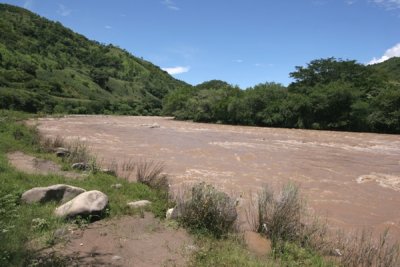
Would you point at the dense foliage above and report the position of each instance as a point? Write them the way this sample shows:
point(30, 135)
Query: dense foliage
point(47, 67)
point(326, 94)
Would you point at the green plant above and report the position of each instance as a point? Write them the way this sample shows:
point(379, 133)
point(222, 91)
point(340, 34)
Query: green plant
point(207, 210)
point(39, 224)
point(151, 174)
point(280, 215)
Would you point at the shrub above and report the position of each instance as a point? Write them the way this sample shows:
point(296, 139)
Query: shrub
point(207, 210)
point(280, 215)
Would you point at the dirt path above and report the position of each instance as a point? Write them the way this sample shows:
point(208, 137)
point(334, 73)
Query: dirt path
point(33, 165)
point(126, 241)
point(351, 178)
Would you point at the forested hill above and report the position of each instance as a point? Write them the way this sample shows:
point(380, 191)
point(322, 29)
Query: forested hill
point(329, 94)
point(45, 67)
point(390, 67)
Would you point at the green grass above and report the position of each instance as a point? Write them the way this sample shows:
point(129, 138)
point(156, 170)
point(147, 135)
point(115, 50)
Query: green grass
point(21, 224)
point(231, 251)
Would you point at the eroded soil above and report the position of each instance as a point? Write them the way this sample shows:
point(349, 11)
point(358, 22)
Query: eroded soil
point(126, 241)
point(351, 178)
point(34, 165)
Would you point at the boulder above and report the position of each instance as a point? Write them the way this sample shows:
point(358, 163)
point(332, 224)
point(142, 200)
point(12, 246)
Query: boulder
point(82, 166)
point(89, 203)
point(62, 152)
point(139, 204)
point(60, 193)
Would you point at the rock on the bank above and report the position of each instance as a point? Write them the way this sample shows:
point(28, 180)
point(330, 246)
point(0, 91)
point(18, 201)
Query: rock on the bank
point(59, 192)
point(89, 203)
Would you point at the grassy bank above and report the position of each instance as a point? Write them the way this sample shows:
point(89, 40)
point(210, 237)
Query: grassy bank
point(25, 227)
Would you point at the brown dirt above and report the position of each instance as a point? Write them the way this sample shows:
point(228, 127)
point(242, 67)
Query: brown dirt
point(33, 165)
point(126, 241)
point(257, 244)
point(351, 178)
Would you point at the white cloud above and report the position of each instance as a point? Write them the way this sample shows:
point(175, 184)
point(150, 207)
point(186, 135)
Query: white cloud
point(28, 4)
point(176, 70)
point(238, 60)
point(351, 2)
point(391, 52)
point(388, 4)
point(108, 27)
point(171, 5)
point(63, 10)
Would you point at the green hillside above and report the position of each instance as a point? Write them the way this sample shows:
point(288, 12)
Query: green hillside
point(45, 67)
point(391, 68)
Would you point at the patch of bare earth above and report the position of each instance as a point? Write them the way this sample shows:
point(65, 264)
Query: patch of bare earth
point(127, 241)
point(33, 165)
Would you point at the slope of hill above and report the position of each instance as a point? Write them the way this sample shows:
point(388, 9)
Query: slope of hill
point(47, 67)
point(391, 68)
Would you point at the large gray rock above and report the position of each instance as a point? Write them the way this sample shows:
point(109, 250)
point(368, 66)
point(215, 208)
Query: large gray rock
point(59, 192)
point(89, 203)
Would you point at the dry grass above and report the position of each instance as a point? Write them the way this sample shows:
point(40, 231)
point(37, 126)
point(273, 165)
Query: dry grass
point(283, 217)
point(362, 249)
point(151, 174)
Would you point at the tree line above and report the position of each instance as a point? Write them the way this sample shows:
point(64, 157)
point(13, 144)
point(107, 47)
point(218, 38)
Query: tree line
point(331, 94)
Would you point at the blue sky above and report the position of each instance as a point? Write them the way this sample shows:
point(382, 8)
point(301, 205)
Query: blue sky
point(243, 42)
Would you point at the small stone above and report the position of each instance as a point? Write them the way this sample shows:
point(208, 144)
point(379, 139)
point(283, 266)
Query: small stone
point(154, 125)
point(80, 166)
point(62, 152)
point(337, 252)
point(139, 204)
point(81, 244)
point(116, 186)
point(168, 214)
point(116, 258)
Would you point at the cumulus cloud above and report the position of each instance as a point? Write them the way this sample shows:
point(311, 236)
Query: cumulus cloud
point(391, 52)
point(108, 27)
point(388, 4)
point(176, 70)
point(63, 10)
point(170, 4)
point(238, 60)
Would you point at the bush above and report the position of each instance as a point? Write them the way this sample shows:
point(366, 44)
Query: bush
point(280, 215)
point(208, 211)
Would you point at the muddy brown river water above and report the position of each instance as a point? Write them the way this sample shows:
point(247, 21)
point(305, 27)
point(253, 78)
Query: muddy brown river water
point(351, 178)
